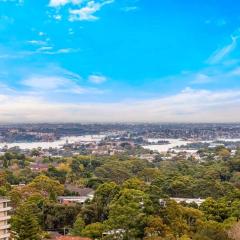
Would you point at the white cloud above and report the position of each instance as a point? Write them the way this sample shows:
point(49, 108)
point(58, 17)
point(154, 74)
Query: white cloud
point(201, 78)
point(59, 3)
point(57, 17)
point(37, 42)
point(50, 51)
point(186, 106)
point(6, 89)
point(87, 12)
point(97, 79)
point(45, 82)
point(53, 79)
point(20, 2)
point(44, 50)
point(42, 83)
point(41, 33)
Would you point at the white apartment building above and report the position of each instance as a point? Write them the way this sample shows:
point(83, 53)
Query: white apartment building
point(4, 219)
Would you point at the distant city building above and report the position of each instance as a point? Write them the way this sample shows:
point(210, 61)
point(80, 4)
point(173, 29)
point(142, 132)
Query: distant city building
point(4, 219)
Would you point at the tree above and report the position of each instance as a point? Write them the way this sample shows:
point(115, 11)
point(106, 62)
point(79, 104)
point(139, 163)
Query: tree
point(58, 216)
point(211, 231)
point(94, 230)
point(155, 228)
point(25, 223)
point(179, 219)
point(223, 152)
point(98, 209)
point(3, 178)
point(135, 183)
point(57, 173)
point(47, 186)
point(215, 210)
point(149, 174)
point(78, 226)
point(128, 211)
point(113, 171)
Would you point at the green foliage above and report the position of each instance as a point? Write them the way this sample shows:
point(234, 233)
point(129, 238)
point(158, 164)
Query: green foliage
point(128, 211)
point(211, 231)
point(47, 186)
point(127, 196)
point(58, 216)
point(94, 230)
point(56, 174)
point(78, 226)
point(156, 228)
point(98, 209)
point(25, 223)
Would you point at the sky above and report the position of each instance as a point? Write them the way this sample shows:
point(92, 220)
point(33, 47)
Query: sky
point(119, 61)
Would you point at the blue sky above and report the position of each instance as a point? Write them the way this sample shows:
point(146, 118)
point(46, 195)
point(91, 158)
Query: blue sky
point(119, 60)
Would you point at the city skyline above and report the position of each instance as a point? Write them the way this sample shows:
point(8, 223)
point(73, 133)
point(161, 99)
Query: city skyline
point(119, 61)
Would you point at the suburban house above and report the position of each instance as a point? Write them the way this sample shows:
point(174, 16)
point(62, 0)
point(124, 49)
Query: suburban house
point(77, 195)
point(198, 201)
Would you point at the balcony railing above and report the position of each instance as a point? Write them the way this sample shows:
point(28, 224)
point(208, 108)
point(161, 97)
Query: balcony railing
point(5, 226)
point(5, 235)
point(3, 218)
point(4, 209)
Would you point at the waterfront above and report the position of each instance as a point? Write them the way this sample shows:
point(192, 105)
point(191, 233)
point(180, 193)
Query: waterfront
point(165, 147)
point(54, 144)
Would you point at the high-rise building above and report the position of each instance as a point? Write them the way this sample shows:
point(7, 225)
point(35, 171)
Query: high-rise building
point(4, 219)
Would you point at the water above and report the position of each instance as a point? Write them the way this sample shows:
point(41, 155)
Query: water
point(55, 144)
point(165, 147)
point(173, 143)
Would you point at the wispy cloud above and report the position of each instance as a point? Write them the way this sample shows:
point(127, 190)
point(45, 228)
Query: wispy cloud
point(43, 50)
point(52, 79)
point(210, 75)
point(18, 2)
point(130, 8)
point(50, 51)
point(201, 78)
point(221, 22)
point(37, 42)
point(97, 79)
point(221, 53)
point(4, 88)
point(45, 84)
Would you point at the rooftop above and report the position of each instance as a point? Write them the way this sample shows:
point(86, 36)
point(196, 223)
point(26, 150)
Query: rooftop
point(71, 238)
point(78, 190)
